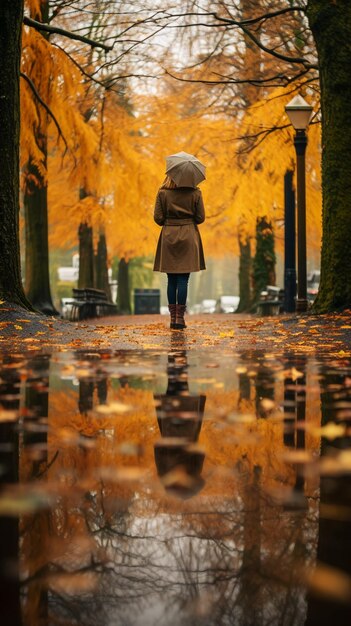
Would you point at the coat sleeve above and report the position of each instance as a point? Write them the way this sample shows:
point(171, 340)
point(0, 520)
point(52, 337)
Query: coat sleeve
point(159, 216)
point(199, 209)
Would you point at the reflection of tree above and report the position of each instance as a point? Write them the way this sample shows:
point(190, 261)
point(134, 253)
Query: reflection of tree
point(295, 416)
point(244, 387)
point(87, 384)
point(264, 384)
point(289, 405)
point(334, 536)
point(9, 526)
point(250, 578)
point(37, 407)
point(257, 371)
point(228, 555)
point(34, 464)
point(86, 393)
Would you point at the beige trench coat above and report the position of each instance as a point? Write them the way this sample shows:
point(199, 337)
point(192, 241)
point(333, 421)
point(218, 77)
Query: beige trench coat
point(179, 248)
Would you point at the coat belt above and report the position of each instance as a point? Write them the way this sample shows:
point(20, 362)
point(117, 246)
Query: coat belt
point(180, 222)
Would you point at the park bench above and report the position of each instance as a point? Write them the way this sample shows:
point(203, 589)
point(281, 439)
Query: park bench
point(271, 301)
point(90, 303)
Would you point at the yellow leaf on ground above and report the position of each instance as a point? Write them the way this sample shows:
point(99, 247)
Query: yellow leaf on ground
point(229, 333)
point(331, 431)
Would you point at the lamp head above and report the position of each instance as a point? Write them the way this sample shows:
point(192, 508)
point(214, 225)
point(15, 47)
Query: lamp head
point(299, 112)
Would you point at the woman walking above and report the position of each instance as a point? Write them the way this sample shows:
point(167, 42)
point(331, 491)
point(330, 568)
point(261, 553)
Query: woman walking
point(179, 209)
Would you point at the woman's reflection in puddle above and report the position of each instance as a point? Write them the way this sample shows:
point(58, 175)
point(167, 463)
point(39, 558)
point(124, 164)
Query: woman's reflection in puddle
point(179, 460)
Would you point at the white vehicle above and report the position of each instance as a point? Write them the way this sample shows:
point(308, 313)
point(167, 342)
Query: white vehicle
point(208, 306)
point(227, 304)
point(195, 309)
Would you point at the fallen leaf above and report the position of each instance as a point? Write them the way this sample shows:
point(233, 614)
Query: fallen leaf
point(330, 431)
point(8, 416)
point(330, 582)
point(113, 407)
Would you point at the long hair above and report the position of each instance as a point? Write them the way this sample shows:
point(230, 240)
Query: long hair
point(168, 183)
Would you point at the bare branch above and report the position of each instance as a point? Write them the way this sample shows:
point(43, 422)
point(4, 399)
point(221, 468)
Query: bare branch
point(80, 68)
point(278, 55)
point(280, 78)
point(227, 23)
point(66, 33)
point(43, 104)
point(265, 16)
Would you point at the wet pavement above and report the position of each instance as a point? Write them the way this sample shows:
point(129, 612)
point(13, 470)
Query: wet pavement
point(175, 485)
point(23, 331)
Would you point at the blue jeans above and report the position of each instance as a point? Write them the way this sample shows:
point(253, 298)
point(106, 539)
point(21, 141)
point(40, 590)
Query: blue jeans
point(177, 288)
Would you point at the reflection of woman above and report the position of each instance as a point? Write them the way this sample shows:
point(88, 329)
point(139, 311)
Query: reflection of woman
point(179, 416)
point(179, 250)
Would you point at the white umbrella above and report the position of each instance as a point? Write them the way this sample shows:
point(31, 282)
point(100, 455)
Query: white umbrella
point(185, 169)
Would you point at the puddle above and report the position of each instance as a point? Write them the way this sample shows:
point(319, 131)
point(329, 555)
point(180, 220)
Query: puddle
point(182, 488)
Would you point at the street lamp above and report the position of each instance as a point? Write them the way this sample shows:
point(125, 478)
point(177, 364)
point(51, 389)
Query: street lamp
point(300, 113)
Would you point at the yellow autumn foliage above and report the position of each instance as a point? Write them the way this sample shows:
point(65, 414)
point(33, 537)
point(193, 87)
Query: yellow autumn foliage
point(261, 178)
point(118, 158)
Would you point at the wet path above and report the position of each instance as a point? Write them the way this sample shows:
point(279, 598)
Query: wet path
point(26, 332)
point(182, 487)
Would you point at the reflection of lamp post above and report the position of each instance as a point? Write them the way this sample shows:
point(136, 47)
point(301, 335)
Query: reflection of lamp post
point(299, 113)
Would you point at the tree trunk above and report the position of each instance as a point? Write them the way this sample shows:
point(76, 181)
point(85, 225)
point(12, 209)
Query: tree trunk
point(86, 256)
point(86, 250)
point(264, 260)
point(37, 283)
point(101, 266)
point(123, 296)
point(245, 264)
point(330, 23)
point(11, 15)
point(250, 94)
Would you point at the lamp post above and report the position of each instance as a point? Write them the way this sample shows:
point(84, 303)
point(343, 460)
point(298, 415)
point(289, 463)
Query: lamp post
point(289, 244)
point(299, 113)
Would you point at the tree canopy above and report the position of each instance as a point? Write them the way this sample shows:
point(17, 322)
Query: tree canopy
point(122, 85)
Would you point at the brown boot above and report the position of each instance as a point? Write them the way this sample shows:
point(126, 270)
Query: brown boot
point(173, 312)
point(180, 322)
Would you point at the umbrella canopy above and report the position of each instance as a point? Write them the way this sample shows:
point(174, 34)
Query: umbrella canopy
point(185, 169)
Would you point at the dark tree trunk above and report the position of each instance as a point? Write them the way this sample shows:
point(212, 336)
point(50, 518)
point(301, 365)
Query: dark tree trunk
point(37, 283)
point(86, 256)
point(330, 23)
point(334, 531)
point(37, 404)
point(35, 445)
point(245, 266)
point(10, 597)
point(250, 571)
point(250, 94)
point(86, 396)
point(11, 15)
point(86, 250)
point(101, 266)
point(264, 260)
point(123, 296)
